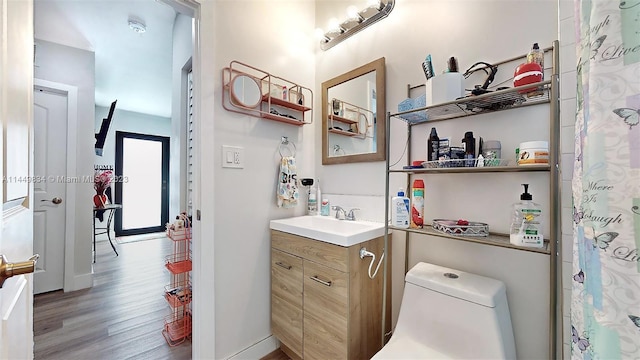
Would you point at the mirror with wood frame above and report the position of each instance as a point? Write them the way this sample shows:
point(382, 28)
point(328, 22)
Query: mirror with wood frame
point(353, 115)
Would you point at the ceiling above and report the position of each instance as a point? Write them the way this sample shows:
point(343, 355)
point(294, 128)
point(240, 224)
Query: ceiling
point(134, 68)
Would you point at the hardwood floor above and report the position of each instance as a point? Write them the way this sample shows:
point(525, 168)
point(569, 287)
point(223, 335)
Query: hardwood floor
point(121, 317)
point(277, 354)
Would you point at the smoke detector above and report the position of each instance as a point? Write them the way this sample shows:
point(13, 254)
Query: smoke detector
point(137, 26)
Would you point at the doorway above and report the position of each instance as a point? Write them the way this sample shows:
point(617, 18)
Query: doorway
point(141, 183)
point(185, 7)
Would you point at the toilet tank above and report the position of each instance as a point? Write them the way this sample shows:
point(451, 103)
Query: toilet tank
point(462, 315)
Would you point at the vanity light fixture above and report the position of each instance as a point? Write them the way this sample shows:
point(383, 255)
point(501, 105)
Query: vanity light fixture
point(356, 21)
point(137, 26)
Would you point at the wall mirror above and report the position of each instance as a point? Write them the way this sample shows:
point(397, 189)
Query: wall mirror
point(245, 91)
point(354, 115)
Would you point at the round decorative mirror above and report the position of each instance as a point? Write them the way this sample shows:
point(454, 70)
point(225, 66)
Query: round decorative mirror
point(245, 91)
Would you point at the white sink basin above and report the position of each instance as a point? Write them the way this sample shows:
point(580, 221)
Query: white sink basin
point(329, 229)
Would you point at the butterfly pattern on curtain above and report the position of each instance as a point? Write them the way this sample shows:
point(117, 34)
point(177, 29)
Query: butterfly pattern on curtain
point(605, 302)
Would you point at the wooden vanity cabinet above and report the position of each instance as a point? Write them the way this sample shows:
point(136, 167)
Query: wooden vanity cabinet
point(323, 303)
point(286, 299)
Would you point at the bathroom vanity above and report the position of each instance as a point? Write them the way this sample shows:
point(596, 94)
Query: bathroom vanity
point(323, 303)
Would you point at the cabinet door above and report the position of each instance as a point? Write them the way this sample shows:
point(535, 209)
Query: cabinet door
point(286, 299)
point(325, 312)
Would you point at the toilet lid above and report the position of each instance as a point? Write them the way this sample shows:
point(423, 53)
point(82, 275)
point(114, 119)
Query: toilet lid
point(407, 349)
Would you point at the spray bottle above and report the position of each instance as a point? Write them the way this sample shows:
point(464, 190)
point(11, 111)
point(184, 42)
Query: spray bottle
point(417, 204)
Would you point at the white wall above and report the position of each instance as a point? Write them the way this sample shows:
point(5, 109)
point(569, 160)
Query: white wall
point(127, 121)
point(182, 51)
point(71, 66)
point(472, 31)
point(237, 204)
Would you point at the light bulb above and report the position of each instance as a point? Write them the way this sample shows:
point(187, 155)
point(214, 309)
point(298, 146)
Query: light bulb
point(333, 25)
point(374, 4)
point(352, 13)
point(320, 35)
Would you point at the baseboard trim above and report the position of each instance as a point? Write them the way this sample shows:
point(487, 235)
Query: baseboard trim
point(257, 350)
point(83, 281)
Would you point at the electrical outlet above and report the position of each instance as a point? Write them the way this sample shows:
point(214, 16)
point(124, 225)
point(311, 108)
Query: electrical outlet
point(232, 157)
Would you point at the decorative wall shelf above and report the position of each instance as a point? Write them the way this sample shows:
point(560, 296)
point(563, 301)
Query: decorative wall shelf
point(344, 133)
point(359, 123)
point(250, 91)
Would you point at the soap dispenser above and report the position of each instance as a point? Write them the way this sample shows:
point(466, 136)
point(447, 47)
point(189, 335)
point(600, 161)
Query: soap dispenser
point(526, 222)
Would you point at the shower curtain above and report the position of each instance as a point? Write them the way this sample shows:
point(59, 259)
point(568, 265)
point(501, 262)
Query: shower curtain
point(605, 303)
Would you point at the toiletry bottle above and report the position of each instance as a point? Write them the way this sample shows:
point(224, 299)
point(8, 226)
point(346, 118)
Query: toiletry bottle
point(324, 207)
point(536, 55)
point(526, 222)
point(417, 204)
point(285, 94)
point(432, 145)
point(469, 149)
point(312, 202)
point(400, 210)
point(318, 196)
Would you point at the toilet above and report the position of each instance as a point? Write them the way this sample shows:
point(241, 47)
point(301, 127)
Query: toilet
point(450, 314)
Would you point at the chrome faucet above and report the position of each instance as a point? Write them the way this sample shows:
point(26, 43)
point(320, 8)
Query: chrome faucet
point(351, 215)
point(339, 210)
point(345, 215)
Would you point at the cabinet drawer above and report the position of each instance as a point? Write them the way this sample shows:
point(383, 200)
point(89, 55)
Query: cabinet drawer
point(333, 256)
point(286, 299)
point(325, 312)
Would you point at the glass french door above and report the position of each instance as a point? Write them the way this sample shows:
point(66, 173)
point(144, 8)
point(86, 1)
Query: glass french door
point(141, 183)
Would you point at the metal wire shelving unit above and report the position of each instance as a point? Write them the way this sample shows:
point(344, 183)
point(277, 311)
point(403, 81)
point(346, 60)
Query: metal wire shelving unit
point(511, 98)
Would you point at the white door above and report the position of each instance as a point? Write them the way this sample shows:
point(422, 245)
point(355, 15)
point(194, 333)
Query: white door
point(49, 163)
point(16, 218)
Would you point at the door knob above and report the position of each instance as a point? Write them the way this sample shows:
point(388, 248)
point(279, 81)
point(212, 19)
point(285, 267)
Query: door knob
point(55, 200)
point(8, 269)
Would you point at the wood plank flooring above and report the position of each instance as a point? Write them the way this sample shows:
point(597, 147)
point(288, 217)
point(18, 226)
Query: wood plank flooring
point(277, 354)
point(121, 317)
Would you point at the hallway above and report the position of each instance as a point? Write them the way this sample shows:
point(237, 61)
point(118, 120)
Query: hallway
point(121, 317)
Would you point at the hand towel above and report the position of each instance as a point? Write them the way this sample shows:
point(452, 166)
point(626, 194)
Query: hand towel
point(287, 193)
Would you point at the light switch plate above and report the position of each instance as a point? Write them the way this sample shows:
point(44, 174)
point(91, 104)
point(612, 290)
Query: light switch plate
point(232, 157)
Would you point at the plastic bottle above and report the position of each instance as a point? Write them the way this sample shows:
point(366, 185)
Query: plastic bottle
point(318, 197)
point(400, 210)
point(417, 204)
point(312, 201)
point(433, 143)
point(526, 222)
point(469, 149)
point(324, 207)
point(536, 55)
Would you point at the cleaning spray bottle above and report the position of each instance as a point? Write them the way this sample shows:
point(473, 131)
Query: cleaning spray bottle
point(526, 222)
point(417, 204)
point(400, 210)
